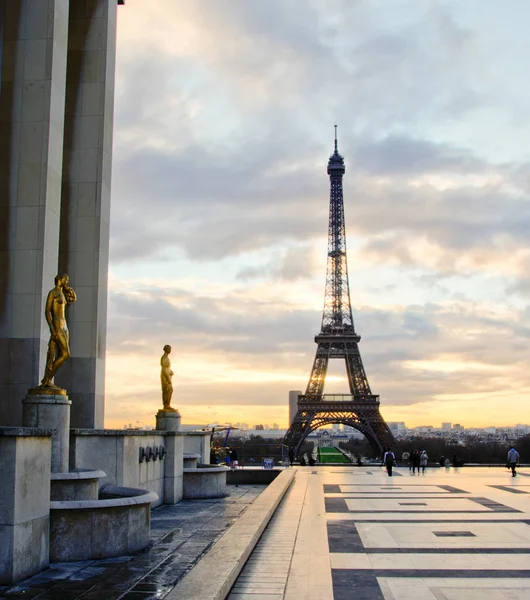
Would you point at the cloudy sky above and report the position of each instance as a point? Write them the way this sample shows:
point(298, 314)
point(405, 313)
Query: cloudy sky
point(223, 127)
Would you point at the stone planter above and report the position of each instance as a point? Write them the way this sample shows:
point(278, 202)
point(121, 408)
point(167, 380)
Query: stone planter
point(205, 482)
point(116, 524)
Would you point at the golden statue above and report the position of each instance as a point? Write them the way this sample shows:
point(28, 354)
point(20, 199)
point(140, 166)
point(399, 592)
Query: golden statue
point(59, 345)
point(165, 379)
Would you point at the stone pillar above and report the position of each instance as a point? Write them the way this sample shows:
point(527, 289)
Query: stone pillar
point(31, 161)
point(84, 237)
point(173, 468)
point(24, 503)
point(51, 411)
point(198, 442)
point(167, 420)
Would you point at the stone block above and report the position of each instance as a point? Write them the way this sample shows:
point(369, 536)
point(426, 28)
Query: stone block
point(139, 523)
point(32, 489)
point(70, 534)
point(25, 457)
point(6, 554)
point(110, 531)
point(167, 420)
point(7, 489)
point(205, 482)
point(115, 525)
point(24, 550)
point(173, 489)
point(31, 547)
point(81, 484)
point(198, 443)
point(48, 411)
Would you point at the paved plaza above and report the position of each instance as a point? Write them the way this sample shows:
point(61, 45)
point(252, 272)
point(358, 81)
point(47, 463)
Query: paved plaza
point(349, 533)
point(339, 533)
point(180, 534)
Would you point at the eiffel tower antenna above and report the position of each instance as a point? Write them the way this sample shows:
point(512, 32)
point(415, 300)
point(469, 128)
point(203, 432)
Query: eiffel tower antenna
point(338, 340)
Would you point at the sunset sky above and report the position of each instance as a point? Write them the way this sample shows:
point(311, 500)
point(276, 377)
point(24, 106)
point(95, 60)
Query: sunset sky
point(224, 121)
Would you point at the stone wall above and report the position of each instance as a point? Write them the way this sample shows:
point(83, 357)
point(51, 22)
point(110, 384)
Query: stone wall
point(118, 454)
point(197, 442)
point(25, 458)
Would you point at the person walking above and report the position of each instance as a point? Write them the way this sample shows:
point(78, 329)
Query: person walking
point(423, 461)
point(389, 460)
point(415, 460)
point(291, 457)
point(512, 459)
point(233, 459)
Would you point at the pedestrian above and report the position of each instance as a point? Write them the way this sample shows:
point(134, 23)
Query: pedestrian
point(415, 460)
point(233, 458)
point(423, 460)
point(512, 459)
point(389, 460)
point(405, 458)
point(291, 457)
point(442, 461)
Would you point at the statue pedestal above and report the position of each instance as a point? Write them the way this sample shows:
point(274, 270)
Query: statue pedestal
point(50, 411)
point(168, 420)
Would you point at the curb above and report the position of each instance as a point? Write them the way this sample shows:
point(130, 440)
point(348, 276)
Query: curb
point(215, 574)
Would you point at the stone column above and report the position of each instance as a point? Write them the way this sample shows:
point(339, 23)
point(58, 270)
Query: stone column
point(51, 411)
point(24, 502)
point(173, 468)
point(84, 236)
point(31, 160)
point(168, 420)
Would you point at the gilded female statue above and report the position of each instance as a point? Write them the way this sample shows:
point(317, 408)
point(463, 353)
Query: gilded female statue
point(55, 312)
point(165, 379)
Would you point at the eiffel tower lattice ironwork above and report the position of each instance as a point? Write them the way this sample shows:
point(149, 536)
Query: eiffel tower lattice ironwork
point(338, 340)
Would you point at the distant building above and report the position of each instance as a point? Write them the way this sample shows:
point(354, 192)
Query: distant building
point(336, 427)
point(446, 426)
point(396, 426)
point(458, 427)
point(275, 426)
point(293, 405)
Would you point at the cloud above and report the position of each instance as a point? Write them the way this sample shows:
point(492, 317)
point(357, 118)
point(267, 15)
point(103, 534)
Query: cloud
point(220, 196)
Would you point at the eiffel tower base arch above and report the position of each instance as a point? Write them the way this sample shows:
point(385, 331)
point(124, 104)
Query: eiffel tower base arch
point(363, 415)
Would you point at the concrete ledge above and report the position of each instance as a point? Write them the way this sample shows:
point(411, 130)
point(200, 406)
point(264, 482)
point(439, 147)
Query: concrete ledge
point(111, 496)
point(25, 432)
point(215, 574)
point(124, 432)
point(78, 474)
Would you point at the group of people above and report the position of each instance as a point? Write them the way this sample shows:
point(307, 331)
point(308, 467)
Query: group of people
point(231, 459)
point(417, 460)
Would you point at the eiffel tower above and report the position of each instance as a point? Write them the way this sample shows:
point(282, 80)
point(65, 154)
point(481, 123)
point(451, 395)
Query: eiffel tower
point(338, 340)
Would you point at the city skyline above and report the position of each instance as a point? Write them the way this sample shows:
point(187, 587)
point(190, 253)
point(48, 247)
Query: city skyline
point(220, 199)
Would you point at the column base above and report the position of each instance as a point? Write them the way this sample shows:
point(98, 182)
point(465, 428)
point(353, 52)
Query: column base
point(50, 411)
point(168, 420)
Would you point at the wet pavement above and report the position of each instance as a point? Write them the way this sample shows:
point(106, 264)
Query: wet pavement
point(180, 535)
